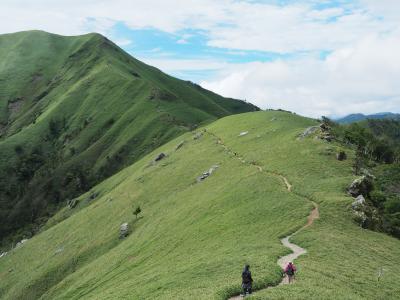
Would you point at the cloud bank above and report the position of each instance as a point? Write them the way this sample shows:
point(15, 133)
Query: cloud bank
point(335, 57)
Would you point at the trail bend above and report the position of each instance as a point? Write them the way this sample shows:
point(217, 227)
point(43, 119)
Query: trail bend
point(314, 214)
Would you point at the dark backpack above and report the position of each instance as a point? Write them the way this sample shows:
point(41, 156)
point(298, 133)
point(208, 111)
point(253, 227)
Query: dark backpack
point(290, 270)
point(246, 277)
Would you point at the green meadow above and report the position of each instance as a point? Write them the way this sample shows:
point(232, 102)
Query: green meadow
point(193, 238)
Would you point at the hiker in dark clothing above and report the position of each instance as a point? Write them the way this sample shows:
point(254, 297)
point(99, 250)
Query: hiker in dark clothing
point(290, 270)
point(247, 280)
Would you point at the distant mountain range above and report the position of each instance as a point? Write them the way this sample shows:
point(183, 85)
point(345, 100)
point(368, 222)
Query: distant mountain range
point(359, 117)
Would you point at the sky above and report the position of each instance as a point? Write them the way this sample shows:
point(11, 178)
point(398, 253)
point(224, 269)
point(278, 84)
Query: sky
point(315, 58)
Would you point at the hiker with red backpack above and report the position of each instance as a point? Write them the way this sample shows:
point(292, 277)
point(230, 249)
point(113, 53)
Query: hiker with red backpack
point(290, 271)
point(247, 281)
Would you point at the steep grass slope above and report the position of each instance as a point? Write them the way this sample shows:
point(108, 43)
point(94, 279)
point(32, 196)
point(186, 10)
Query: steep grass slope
point(194, 237)
point(74, 110)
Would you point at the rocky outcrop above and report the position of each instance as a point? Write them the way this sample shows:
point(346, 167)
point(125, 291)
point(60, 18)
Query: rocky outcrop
point(197, 135)
point(123, 230)
point(207, 173)
point(365, 214)
point(180, 145)
point(308, 131)
point(358, 202)
point(93, 195)
point(72, 203)
point(341, 155)
point(325, 132)
point(59, 250)
point(359, 211)
point(361, 186)
point(360, 217)
point(326, 136)
point(19, 244)
point(160, 157)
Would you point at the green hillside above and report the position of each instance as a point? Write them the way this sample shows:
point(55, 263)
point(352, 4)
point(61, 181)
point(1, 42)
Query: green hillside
point(193, 238)
point(75, 110)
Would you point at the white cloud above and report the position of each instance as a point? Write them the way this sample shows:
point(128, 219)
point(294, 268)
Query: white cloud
point(123, 42)
point(230, 24)
point(359, 75)
point(360, 78)
point(173, 65)
point(182, 41)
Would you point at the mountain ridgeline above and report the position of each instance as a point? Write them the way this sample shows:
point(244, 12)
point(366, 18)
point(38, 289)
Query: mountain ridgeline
point(74, 111)
point(361, 117)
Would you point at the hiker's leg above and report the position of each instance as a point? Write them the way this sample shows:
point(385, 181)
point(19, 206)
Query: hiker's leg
point(247, 290)
point(250, 289)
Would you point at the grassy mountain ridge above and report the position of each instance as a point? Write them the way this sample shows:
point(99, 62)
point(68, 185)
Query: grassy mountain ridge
point(75, 110)
point(194, 237)
point(361, 117)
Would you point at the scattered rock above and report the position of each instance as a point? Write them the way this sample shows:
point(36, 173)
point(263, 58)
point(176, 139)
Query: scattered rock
point(360, 217)
point(326, 132)
point(197, 135)
point(203, 176)
point(243, 133)
point(193, 127)
point(207, 173)
point(308, 131)
point(72, 203)
point(20, 244)
point(160, 156)
point(180, 145)
point(365, 215)
point(358, 202)
point(3, 254)
point(365, 172)
point(59, 250)
point(324, 127)
point(326, 136)
point(124, 230)
point(360, 186)
point(341, 155)
point(93, 195)
point(212, 169)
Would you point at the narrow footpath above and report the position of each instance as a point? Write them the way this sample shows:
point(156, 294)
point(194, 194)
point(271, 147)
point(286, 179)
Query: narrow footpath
point(314, 214)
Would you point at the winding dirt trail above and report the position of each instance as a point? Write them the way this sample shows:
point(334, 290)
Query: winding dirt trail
point(296, 249)
point(314, 214)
